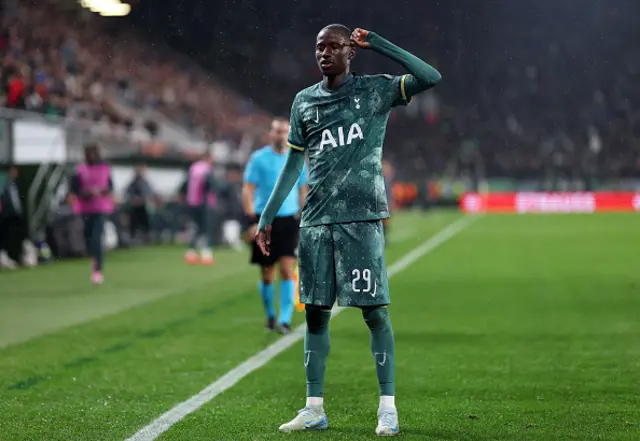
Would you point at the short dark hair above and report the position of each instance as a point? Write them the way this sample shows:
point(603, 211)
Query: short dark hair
point(340, 28)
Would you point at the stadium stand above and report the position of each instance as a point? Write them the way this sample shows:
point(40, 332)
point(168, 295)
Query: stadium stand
point(73, 64)
point(531, 120)
point(516, 116)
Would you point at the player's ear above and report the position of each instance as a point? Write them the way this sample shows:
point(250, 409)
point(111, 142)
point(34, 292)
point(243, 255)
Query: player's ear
point(352, 53)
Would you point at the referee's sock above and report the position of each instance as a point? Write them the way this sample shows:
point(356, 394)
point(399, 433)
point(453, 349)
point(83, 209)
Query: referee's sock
point(267, 292)
point(287, 301)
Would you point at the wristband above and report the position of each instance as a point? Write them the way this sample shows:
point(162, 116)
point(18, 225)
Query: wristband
point(248, 221)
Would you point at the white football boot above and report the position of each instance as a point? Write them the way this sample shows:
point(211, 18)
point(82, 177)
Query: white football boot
point(387, 422)
point(309, 418)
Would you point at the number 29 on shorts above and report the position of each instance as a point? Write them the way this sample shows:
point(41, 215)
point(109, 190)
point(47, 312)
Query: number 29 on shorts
point(361, 282)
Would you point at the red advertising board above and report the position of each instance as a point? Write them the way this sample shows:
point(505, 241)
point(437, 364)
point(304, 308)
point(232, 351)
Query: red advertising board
point(552, 202)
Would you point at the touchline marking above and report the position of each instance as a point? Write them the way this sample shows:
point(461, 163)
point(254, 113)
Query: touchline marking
point(163, 423)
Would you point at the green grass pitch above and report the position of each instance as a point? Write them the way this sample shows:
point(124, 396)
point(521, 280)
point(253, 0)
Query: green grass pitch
point(521, 328)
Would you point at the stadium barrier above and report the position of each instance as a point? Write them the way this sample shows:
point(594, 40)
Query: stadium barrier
point(550, 202)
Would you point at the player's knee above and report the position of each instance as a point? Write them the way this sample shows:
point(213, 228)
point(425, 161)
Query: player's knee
point(375, 317)
point(317, 318)
point(287, 269)
point(268, 275)
point(286, 273)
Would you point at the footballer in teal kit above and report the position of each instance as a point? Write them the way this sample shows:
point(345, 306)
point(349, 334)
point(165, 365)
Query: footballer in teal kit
point(340, 123)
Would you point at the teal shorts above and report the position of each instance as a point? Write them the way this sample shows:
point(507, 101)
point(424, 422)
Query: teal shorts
point(343, 262)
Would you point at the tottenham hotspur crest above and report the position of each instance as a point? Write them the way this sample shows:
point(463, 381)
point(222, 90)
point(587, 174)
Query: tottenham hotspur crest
point(357, 101)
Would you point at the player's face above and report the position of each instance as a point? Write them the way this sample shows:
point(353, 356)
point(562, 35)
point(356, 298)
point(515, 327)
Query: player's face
point(279, 132)
point(332, 52)
point(274, 134)
point(283, 132)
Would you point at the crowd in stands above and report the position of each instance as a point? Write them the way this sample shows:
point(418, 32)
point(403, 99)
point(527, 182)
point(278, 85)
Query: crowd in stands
point(526, 92)
point(73, 64)
point(570, 105)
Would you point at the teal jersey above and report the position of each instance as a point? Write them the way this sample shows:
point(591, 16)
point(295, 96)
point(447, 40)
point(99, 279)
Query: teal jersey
point(342, 132)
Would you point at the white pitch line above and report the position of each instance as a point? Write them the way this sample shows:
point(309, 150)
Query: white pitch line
point(163, 423)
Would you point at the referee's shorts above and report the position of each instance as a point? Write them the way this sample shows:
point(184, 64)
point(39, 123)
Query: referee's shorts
point(284, 241)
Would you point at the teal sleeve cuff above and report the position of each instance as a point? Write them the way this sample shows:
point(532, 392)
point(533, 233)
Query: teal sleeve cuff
point(286, 181)
point(424, 75)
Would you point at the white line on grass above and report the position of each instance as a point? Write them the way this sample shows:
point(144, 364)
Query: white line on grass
point(228, 380)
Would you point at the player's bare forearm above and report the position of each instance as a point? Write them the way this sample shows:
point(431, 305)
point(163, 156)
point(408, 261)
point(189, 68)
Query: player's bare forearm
point(248, 191)
point(302, 195)
point(288, 178)
point(423, 76)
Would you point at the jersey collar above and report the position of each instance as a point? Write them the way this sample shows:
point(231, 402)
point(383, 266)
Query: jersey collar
point(347, 81)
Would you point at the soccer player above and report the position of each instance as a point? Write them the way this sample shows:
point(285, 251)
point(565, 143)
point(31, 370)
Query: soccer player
point(92, 186)
point(260, 177)
point(200, 198)
point(341, 123)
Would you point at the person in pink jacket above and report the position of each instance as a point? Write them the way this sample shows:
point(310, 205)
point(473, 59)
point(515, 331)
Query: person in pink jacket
point(201, 199)
point(92, 187)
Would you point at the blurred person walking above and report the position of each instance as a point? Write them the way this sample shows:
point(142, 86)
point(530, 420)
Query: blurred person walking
point(92, 187)
point(139, 194)
point(200, 199)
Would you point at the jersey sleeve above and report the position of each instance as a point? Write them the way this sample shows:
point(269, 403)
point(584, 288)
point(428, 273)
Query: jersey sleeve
point(252, 171)
point(296, 139)
point(392, 89)
point(303, 180)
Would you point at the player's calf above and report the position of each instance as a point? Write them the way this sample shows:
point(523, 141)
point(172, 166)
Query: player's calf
point(267, 293)
point(383, 350)
point(316, 350)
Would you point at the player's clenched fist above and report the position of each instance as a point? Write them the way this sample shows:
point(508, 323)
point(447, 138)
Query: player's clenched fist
point(358, 37)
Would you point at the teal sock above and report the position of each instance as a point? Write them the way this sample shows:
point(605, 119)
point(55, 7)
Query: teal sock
point(316, 349)
point(382, 347)
point(287, 294)
point(267, 292)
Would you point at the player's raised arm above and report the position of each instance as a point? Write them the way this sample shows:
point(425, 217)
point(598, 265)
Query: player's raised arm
point(423, 76)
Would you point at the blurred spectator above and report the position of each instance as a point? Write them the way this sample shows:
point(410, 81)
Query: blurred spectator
point(528, 106)
point(139, 195)
point(12, 222)
point(64, 63)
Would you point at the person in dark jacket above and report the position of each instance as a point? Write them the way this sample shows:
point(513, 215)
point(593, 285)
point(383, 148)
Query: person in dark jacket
point(12, 225)
point(139, 194)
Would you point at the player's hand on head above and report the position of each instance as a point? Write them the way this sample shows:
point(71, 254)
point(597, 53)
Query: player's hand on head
point(263, 239)
point(358, 37)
